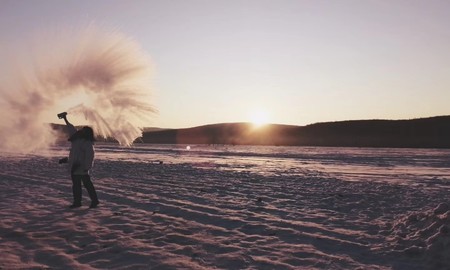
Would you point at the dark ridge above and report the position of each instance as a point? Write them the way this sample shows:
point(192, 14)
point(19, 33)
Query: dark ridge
point(431, 132)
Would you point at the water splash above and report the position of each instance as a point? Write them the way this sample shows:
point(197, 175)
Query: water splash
point(101, 75)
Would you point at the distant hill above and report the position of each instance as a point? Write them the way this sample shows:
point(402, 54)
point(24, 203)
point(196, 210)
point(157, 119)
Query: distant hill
point(150, 129)
point(433, 132)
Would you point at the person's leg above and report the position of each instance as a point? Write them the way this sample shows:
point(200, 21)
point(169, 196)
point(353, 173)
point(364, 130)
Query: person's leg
point(91, 190)
point(76, 190)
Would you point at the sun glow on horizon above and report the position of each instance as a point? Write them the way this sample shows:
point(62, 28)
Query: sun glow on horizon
point(259, 118)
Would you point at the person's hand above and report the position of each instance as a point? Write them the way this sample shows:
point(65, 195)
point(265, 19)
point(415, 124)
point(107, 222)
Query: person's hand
point(62, 115)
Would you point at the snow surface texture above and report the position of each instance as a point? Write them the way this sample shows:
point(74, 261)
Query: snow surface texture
point(163, 207)
point(103, 76)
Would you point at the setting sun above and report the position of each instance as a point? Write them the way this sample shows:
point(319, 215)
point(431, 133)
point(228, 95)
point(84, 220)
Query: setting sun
point(259, 117)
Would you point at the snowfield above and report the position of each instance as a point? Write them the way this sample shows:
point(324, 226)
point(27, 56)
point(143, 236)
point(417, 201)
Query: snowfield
point(229, 207)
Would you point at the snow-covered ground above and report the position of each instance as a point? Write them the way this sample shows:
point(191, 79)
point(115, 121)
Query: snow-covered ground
point(229, 207)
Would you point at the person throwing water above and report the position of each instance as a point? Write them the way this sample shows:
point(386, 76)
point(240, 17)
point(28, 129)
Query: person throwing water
point(81, 160)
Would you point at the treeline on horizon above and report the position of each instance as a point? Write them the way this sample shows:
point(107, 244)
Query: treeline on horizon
point(433, 132)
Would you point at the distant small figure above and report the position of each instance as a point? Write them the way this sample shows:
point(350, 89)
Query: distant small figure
point(81, 159)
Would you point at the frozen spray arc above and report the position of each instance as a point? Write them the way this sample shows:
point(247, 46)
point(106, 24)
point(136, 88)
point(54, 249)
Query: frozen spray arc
point(106, 76)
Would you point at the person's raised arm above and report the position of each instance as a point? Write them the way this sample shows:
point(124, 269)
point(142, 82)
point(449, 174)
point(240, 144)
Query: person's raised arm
point(71, 127)
point(67, 121)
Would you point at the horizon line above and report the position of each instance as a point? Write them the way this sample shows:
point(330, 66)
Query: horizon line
point(282, 124)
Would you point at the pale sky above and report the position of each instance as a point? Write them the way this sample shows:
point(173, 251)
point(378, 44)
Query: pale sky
point(297, 62)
